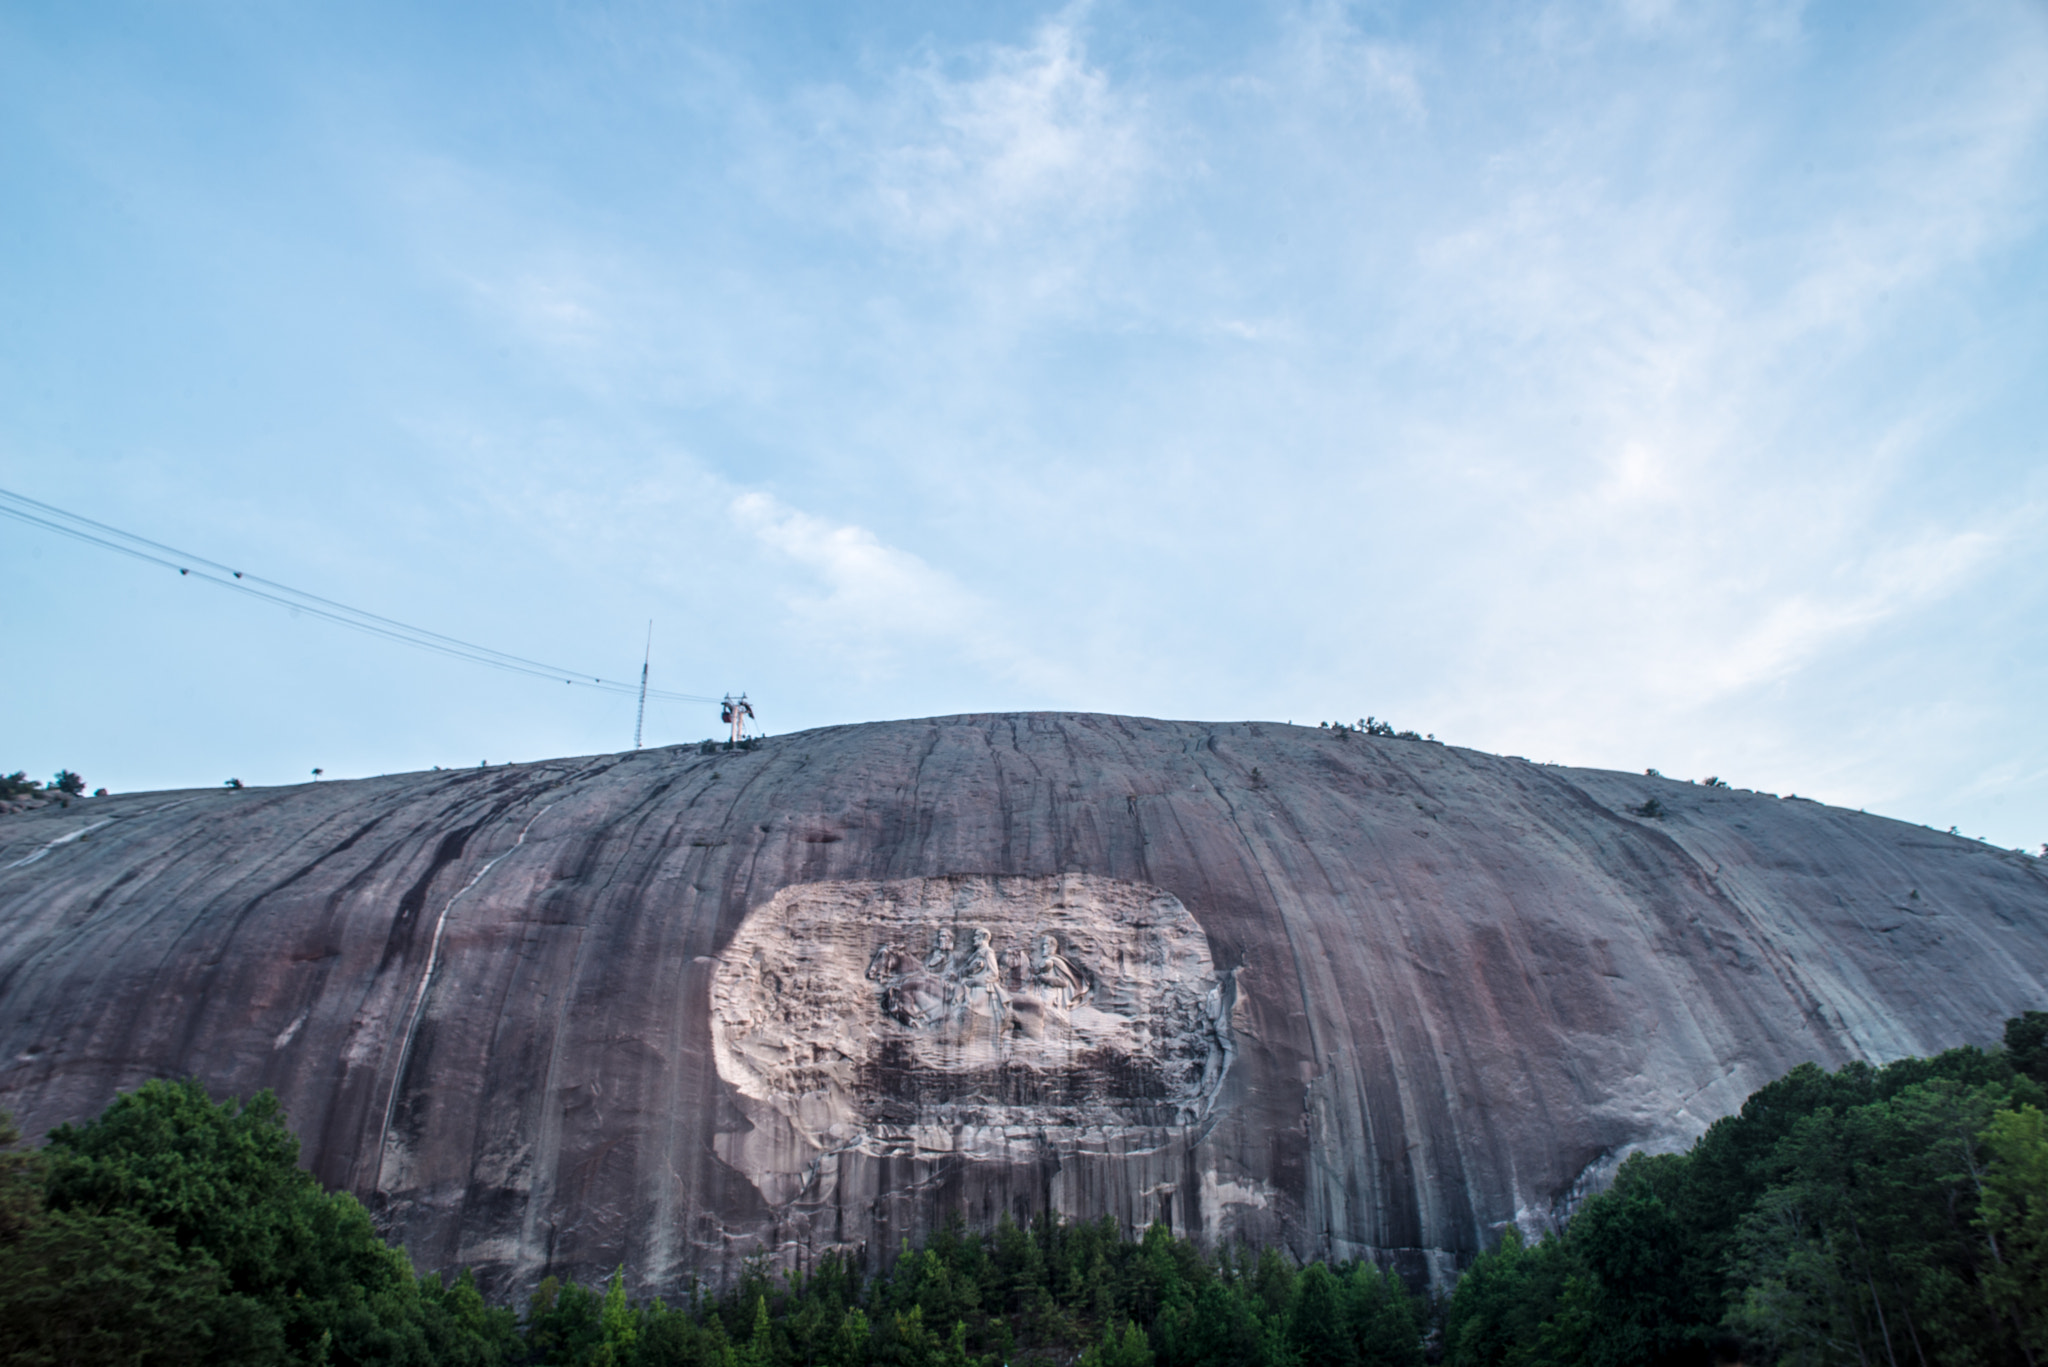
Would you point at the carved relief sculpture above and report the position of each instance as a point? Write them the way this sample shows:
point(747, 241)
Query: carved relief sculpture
point(1083, 1013)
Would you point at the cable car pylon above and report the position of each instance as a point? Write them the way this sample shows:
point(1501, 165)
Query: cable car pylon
point(640, 718)
point(735, 711)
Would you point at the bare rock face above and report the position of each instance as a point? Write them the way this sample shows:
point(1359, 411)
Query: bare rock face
point(1366, 996)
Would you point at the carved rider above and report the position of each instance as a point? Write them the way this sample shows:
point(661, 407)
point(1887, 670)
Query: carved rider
point(1061, 982)
point(907, 993)
point(940, 960)
point(981, 976)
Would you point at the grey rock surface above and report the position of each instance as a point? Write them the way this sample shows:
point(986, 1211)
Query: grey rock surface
point(1361, 995)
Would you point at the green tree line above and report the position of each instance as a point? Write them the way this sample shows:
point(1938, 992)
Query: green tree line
point(174, 1229)
point(1894, 1216)
point(1887, 1215)
point(1051, 1292)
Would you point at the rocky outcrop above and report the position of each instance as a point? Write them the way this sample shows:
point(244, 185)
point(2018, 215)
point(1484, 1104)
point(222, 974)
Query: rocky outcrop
point(1365, 995)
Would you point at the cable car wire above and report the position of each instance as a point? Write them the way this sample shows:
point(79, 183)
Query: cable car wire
point(36, 513)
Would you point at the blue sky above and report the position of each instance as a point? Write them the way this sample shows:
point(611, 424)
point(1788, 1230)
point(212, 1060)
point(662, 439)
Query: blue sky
point(1621, 384)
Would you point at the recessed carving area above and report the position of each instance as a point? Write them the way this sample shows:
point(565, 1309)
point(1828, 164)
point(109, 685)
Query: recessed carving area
point(972, 1016)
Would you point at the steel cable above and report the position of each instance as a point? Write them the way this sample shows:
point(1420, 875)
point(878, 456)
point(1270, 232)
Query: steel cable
point(36, 513)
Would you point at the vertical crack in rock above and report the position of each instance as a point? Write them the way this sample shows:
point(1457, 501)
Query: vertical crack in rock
point(419, 996)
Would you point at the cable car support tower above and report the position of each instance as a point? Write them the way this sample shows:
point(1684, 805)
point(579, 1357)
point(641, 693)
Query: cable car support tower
point(736, 711)
point(640, 718)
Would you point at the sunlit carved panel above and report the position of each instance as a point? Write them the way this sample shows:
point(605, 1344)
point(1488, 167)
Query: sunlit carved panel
point(973, 1016)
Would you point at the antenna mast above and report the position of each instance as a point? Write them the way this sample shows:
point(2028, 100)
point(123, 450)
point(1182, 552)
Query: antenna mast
point(640, 719)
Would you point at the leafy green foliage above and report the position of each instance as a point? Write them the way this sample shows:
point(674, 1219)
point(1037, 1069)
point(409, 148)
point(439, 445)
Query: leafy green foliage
point(173, 1229)
point(1872, 1215)
point(1127, 1349)
point(84, 1288)
point(1893, 1215)
point(2013, 1213)
point(1049, 1293)
point(2026, 1043)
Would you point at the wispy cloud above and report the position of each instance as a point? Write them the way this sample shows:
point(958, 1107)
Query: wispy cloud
point(1330, 58)
point(1029, 137)
point(1783, 635)
point(1001, 169)
point(872, 604)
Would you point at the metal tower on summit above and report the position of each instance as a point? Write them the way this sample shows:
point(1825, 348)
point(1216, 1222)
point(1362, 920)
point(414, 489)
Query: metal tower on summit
point(640, 719)
point(736, 711)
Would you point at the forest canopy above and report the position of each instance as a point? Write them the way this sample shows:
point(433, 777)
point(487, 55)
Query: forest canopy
point(1887, 1215)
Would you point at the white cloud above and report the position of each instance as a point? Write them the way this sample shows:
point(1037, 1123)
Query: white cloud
point(554, 308)
point(1794, 630)
point(1037, 137)
point(1331, 60)
point(879, 607)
